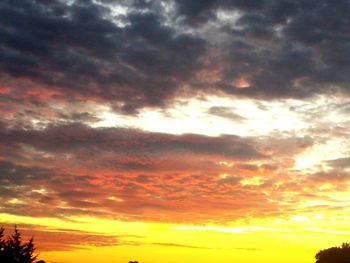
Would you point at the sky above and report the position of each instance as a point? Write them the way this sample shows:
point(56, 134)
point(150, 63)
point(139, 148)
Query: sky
point(175, 130)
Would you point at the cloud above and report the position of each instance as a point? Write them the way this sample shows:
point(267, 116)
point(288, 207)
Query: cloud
point(50, 239)
point(177, 245)
point(284, 49)
point(225, 112)
point(127, 144)
point(135, 65)
point(153, 51)
point(63, 63)
point(235, 230)
point(341, 163)
point(135, 175)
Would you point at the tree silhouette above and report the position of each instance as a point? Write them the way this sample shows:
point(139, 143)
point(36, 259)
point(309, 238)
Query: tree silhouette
point(13, 250)
point(334, 254)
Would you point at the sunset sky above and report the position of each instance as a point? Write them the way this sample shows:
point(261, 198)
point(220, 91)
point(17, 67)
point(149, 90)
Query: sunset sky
point(175, 131)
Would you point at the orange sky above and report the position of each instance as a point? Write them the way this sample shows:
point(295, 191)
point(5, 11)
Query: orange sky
point(117, 194)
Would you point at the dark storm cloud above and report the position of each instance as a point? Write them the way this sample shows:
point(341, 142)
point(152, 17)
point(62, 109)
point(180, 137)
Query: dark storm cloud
point(197, 12)
point(78, 50)
point(13, 175)
point(142, 56)
point(83, 139)
point(283, 48)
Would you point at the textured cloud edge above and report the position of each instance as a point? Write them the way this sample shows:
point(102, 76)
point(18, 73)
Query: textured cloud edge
point(66, 170)
point(136, 54)
point(51, 239)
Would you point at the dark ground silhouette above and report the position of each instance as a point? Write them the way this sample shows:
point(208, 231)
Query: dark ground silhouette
point(334, 254)
point(13, 250)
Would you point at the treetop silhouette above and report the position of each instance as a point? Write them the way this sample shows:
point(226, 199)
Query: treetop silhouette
point(13, 250)
point(334, 254)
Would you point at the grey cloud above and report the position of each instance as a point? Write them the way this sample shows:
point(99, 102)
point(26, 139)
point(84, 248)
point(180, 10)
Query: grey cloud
point(77, 138)
point(284, 49)
point(15, 175)
point(340, 163)
point(74, 169)
point(226, 112)
point(334, 176)
point(84, 54)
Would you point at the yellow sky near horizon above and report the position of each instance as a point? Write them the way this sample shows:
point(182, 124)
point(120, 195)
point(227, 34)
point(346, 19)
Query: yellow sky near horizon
point(295, 239)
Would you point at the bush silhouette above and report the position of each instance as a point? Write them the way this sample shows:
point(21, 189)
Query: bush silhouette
point(13, 250)
point(334, 254)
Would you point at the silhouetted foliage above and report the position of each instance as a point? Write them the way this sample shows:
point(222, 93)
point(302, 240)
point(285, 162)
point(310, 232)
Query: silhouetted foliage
point(13, 250)
point(133, 262)
point(334, 254)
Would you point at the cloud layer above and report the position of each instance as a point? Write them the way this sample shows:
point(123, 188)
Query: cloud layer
point(134, 54)
point(131, 174)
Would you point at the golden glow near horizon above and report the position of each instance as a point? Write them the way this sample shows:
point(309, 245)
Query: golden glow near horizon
point(245, 240)
point(259, 238)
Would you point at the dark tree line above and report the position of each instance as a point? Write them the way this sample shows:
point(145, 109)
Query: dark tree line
point(13, 250)
point(334, 254)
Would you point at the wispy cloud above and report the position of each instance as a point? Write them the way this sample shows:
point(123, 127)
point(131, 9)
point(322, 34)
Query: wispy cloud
point(237, 230)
